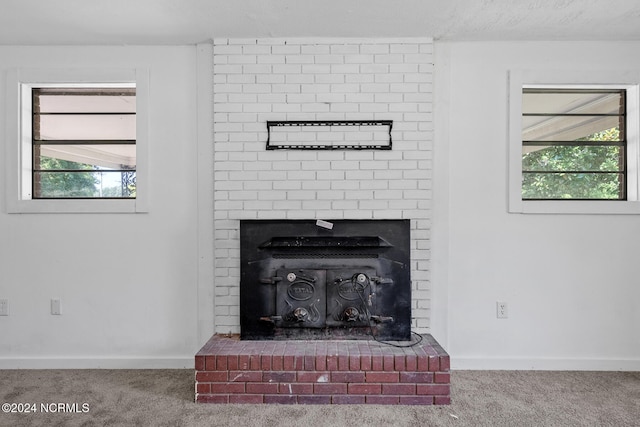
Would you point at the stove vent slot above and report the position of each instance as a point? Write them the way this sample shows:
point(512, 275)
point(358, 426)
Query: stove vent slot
point(318, 255)
point(347, 242)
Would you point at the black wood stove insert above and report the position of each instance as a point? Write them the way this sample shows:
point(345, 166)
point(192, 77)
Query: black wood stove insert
point(307, 279)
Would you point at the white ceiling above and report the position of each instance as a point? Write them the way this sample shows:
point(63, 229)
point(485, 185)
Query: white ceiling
point(86, 22)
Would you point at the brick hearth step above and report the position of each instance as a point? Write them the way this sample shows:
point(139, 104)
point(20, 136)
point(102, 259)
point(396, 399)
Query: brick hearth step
point(230, 370)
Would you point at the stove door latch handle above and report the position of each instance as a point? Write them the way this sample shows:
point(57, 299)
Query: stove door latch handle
point(382, 319)
point(270, 319)
point(382, 280)
point(271, 280)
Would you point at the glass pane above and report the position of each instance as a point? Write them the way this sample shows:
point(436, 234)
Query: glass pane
point(570, 128)
point(580, 158)
point(90, 184)
point(107, 156)
point(87, 127)
point(87, 103)
point(601, 186)
point(562, 102)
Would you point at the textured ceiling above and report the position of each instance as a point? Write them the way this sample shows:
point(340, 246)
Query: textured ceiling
point(78, 22)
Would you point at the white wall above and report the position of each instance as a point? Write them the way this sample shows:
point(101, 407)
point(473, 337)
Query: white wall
point(571, 281)
point(127, 282)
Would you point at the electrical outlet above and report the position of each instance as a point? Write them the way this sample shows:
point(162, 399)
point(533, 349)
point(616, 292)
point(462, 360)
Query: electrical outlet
point(4, 307)
point(502, 311)
point(55, 306)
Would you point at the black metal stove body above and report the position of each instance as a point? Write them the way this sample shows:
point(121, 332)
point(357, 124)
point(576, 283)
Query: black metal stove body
point(304, 281)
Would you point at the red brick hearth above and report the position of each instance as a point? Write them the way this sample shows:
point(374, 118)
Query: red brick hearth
point(230, 370)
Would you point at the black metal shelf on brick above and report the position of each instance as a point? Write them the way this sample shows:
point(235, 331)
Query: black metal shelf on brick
point(300, 280)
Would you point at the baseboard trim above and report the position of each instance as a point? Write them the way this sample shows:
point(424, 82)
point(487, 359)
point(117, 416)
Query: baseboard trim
point(178, 362)
point(544, 364)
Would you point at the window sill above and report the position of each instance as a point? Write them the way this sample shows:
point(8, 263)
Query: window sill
point(587, 207)
point(77, 206)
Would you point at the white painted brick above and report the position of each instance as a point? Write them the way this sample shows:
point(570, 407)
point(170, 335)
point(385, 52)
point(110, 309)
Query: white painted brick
point(374, 68)
point(345, 185)
point(343, 108)
point(359, 175)
point(388, 59)
point(307, 79)
point(316, 185)
point(358, 59)
point(273, 195)
point(374, 108)
point(315, 49)
point(387, 214)
point(404, 48)
point(257, 69)
point(272, 98)
point(270, 214)
point(359, 195)
point(285, 88)
point(330, 195)
point(270, 78)
point(241, 59)
point(374, 48)
point(315, 108)
point(314, 88)
point(258, 205)
point(345, 49)
point(330, 174)
point(330, 97)
point(358, 214)
point(403, 68)
point(357, 98)
point(316, 69)
point(299, 59)
point(342, 205)
point(247, 41)
point(227, 50)
point(329, 78)
point(345, 88)
point(285, 50)
point(271, 59)
point(301, 175)
point(313, 205)
point(287, 185)
point(300, 78)
point(374, 185)
point(286, 108)
point(300, 214)
point(359, 78)
point(257, 88)
point(287, 69)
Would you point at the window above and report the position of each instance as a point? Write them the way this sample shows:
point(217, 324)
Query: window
point(77, 140)
point(573, 146)
point(83, 142)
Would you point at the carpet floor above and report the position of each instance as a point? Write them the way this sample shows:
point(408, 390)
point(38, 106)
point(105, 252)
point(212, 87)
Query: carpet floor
point(165, 398)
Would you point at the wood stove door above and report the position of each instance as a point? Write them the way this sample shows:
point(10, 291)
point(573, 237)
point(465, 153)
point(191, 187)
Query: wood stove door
point(350, 296)
point(301, 298)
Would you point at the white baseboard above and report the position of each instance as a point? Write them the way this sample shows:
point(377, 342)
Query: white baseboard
point(550, 364)
point(179, 362)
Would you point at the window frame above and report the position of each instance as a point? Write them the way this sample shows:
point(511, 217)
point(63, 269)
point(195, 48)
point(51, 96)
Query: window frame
point(18, 161)
point(568, 79)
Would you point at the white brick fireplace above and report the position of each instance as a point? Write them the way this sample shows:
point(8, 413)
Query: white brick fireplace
point(256, 80)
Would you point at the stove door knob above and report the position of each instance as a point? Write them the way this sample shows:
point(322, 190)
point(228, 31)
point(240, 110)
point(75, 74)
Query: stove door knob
point(301, 314)
point(351, 314)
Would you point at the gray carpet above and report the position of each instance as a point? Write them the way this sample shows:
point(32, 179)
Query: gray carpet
point(165, 398)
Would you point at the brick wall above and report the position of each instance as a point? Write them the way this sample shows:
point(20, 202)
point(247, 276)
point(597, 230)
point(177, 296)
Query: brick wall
point(320, 79)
